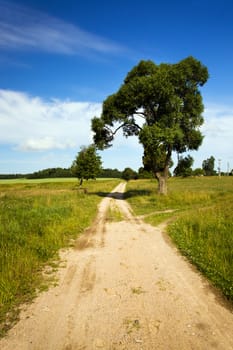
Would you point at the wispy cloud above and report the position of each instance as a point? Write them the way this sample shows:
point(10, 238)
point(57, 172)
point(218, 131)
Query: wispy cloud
point(22, 28)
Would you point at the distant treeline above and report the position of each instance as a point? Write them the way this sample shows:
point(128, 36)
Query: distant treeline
point(59, 172)
point(126, 174)
point(41, 174)
point(12, 176)
point(50, 173)
point(110, 173)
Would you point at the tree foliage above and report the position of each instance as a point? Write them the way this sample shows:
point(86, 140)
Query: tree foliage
point(208, 166)
point(144, 174)
point(198, 172)
point(167, 99)
point(129, 174)
point(87, 164)
point(50, 173)
point(110, 173)
point(184, 166)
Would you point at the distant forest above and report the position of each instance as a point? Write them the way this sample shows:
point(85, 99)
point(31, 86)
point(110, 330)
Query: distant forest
point(126, 174)
point(60, 172)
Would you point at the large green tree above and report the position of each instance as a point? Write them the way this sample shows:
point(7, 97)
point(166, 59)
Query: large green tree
point(87, 164)
point(168, 100)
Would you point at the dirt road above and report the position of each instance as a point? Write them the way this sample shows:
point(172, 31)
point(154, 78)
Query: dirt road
point(124, 287)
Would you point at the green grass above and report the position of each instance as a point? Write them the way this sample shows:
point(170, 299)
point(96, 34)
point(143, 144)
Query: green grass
point(206, 237)
point(203, 225)
point(37, 219)
point(47, 180)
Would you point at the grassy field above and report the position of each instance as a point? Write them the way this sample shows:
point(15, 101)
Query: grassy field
point(37, 218)
point(202, 225)
point(33, 181)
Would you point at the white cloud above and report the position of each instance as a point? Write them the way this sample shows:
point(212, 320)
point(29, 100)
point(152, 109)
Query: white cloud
point(24, 28)
point(218, 135)
point(219, 121)
point(218, 128)
point(30, 123)
point(44, 144)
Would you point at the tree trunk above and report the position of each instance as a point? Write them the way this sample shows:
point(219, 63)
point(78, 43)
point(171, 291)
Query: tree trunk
point(162, 177)
point(162, 183)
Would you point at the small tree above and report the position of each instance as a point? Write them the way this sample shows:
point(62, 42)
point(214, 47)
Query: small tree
point(129, 174)
point(208, 166)
point(198, 172)
point(144, 174)
point(87, 164)
point(184, 166)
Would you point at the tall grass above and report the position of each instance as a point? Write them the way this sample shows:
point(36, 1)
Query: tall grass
point(36, 219)
point(203, 226)
point(206, 237)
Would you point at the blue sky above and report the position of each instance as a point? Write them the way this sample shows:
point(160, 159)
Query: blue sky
point(59, 59)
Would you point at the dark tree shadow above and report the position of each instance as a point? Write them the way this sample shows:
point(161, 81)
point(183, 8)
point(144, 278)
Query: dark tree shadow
point(125, 195)
point(114, 195)
point(137, 193)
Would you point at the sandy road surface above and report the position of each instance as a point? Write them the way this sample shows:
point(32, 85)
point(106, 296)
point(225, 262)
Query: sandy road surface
point(124, 287)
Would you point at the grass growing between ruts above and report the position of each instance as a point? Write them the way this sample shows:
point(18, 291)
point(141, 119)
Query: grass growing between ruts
point(203, 225)
point(36, 220)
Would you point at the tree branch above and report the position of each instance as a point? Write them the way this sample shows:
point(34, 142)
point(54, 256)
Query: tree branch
point(141, 114)
point(113, 132)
